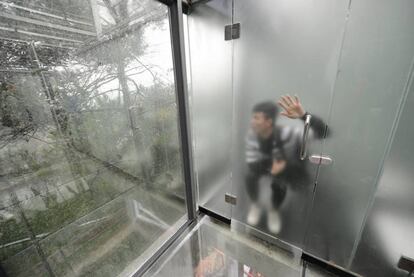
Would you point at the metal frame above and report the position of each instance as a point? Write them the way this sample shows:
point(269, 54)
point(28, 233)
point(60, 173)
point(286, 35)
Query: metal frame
point(173, 240)
point(191, 236)
point(242, 228)
point(177, 41)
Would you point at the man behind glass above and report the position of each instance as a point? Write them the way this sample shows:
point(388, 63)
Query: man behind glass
point(274, 151)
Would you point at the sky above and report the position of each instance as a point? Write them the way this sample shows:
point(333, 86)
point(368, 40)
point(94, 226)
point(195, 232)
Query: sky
point(157, 56)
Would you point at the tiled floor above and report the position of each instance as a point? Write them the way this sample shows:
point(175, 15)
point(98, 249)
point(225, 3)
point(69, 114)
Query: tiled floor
point(211, 249)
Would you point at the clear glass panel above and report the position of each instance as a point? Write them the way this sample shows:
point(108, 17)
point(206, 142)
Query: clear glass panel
point(211, 101)
point(108, 239)
point(373, 74)
point(25, 263)
point(211, 249)
point(90, 163)
point(286, 47)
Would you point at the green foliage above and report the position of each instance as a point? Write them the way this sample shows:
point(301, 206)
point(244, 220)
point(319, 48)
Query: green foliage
point(22, 110)
point(12, 230)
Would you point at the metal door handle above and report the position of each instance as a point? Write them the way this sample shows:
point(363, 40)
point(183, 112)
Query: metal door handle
point(318, 159)
point(306, 128)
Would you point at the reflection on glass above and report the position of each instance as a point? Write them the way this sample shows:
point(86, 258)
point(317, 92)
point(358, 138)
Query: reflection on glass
point(273, 156)
point(216, 263)
point(90, 170)
point(211, 249)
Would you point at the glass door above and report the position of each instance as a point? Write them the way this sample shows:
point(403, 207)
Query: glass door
point(375, 67)
point(285, 64)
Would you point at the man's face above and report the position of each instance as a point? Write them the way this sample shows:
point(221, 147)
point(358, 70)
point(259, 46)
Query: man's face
point(261, 123)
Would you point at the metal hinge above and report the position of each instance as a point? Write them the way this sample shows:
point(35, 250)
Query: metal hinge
point(230, 198)
point(406, 264)
point(232, 31)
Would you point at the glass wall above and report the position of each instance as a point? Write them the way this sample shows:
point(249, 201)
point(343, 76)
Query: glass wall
point(349, 64)
point(210, 64)
point(90, 163)
point(389, 228)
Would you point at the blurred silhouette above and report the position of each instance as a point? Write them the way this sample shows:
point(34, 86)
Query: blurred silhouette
point(218, 264)
point(273, 151)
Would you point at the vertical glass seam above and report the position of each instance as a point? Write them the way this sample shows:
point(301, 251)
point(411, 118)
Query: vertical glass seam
point(329, 117)
point(191, 104)
point(177, 43)
point(232, 128)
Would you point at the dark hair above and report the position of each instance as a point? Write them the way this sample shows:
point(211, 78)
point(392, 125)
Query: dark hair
point(268, 108)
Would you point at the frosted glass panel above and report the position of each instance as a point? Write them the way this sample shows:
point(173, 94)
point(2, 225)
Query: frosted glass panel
point(211, 104)
point(373, 73)
point(389, 230)
point(285, 47)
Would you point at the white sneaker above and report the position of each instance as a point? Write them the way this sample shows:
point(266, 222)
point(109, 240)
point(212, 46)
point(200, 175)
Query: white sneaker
point(254, 215)
point(274, 222)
